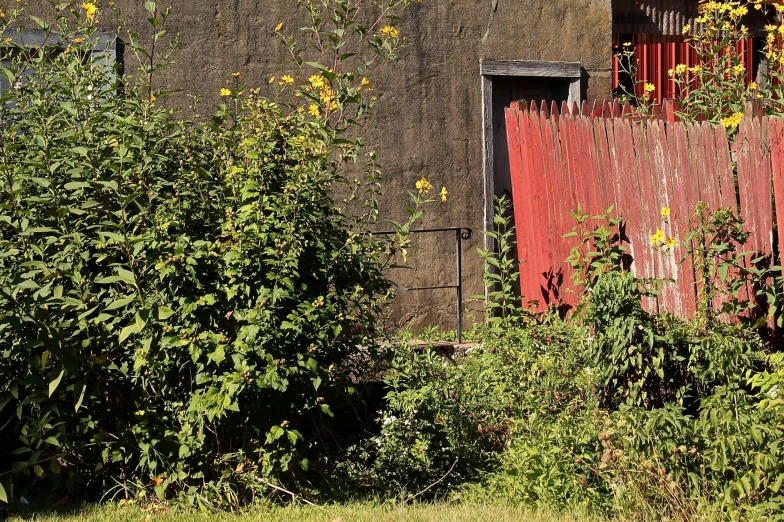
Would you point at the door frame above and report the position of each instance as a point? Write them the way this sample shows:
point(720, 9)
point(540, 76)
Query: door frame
point(571, 71)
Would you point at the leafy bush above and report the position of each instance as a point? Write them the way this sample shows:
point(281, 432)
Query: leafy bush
point(449, 422)
point(180, 303)
point(611, 409)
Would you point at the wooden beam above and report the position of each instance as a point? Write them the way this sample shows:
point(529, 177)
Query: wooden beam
point(489, 177)
point(530, 68)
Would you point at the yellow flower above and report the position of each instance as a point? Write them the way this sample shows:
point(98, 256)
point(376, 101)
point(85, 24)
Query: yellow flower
point(225, 92)
point(390, 31)
point(670, 242)
point(272, 79)
point(314, 110)
point(279, 27)
point(424, 186)
point(680, 68)
point(686, 29)
point(753, 86)
point(665, 211)
point(649, 87)
point(657, 238)
point(365, 84)
point(78, 40)
point(444, 193)
point(316, 81)
point(739, 69)
point(288, 80)
point(732, 121)
point(326, 94)
point(235, 75)
point(89, 9)
point(627, 44)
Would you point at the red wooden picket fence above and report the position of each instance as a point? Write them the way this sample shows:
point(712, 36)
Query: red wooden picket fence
point(602, 155)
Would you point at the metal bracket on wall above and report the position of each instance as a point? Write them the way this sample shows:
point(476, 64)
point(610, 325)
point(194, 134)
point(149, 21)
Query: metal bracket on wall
point(461, 234)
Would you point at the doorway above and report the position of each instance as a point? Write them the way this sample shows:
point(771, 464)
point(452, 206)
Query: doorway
point(507, 81)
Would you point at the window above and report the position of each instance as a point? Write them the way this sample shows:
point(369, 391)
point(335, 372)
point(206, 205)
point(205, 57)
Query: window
point(105, 45)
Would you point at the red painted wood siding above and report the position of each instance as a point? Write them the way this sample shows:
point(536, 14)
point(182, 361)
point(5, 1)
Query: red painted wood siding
point(657, 54)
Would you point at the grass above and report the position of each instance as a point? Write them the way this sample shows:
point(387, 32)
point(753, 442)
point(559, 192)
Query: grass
point(352, 513)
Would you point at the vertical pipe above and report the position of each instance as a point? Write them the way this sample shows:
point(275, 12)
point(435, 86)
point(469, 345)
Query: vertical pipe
point(459, 255)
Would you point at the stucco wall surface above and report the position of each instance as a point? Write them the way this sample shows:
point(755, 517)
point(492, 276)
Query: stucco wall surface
point(428, 119)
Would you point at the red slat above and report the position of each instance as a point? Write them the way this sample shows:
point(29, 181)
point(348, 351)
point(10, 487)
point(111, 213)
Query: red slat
point(776, 126)
point(667, 267)
point(679, 213)
point(520, 193)
point(532, 265)
point(549, 177)
point(643, 260)
point(540, 261)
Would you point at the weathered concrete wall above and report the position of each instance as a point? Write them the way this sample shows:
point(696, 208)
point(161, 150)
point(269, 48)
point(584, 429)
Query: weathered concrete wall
point(429, 117)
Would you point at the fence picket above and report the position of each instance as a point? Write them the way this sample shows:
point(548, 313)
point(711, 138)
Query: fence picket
point(679, 214)
point(776, 126)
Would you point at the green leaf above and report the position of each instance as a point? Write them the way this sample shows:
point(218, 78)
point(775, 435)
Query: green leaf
point(5, 399)
point(55, 383)
point(126, 276)
point(119, 303)
point(76, 185)
point(164, 313)
point(3, 495)
point(53, 441)
point(78, 393)
point(276, 432)
point(316, 65)
point(776, 486)
point(40, 23)
point(723, 268)
point(128, 331)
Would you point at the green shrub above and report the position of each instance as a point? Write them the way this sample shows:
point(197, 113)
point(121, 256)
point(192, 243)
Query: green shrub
point(181, 304)
point(612, 409)
point(451, 422)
